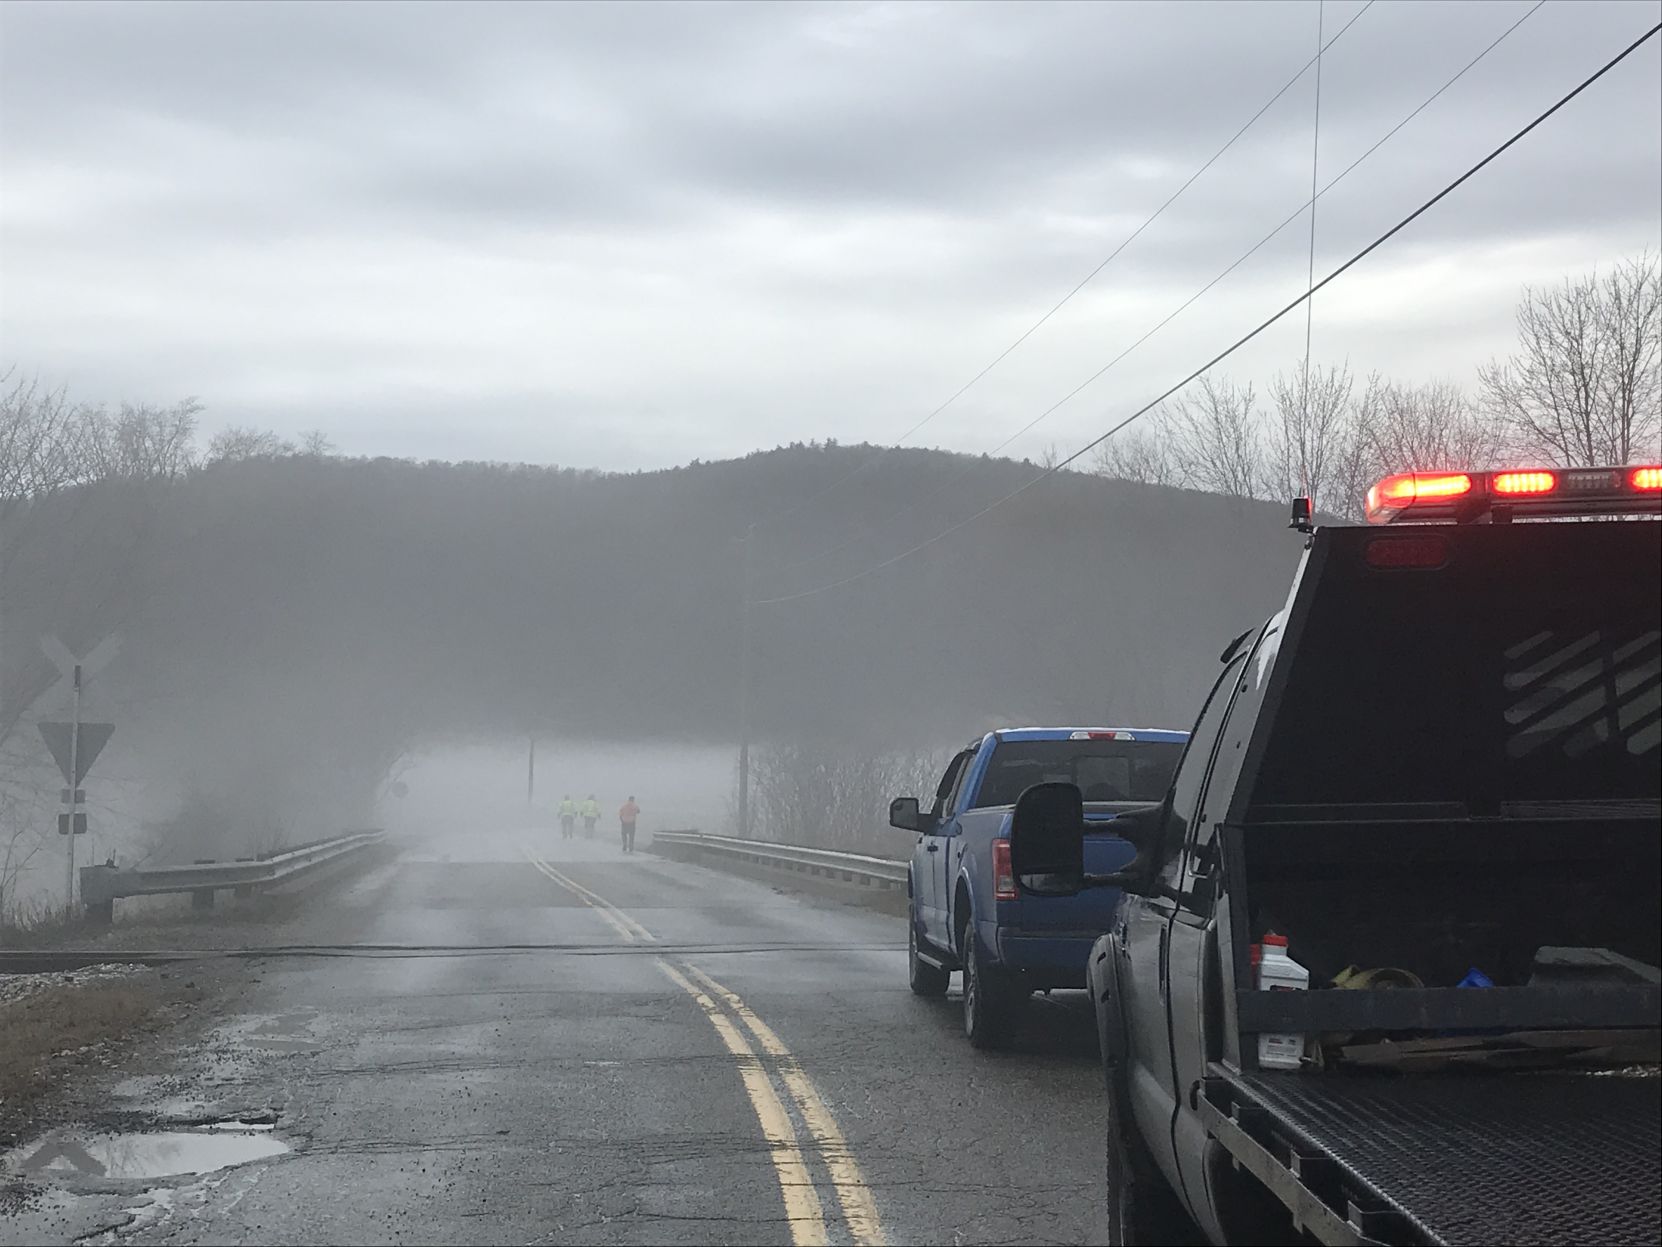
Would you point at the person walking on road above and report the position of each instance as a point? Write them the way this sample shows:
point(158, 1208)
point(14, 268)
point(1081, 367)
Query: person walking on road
point(627, 813)
point(568, 817)
point(591, 816)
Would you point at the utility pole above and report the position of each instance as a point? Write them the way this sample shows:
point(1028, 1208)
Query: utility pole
point(744, 690)
point(531, 772)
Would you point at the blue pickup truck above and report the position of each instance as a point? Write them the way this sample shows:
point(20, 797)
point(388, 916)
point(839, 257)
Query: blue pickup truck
point(965, 911)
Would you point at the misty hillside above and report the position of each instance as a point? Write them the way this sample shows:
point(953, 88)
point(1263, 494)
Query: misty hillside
point(315, 617)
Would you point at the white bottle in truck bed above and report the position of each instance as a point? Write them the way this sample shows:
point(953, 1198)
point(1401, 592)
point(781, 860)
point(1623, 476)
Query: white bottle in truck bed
point(1277, 972)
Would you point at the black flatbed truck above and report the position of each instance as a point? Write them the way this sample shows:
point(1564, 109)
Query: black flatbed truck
point(1445, 753)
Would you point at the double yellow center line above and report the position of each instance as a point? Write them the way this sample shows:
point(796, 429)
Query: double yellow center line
point(803, 1209)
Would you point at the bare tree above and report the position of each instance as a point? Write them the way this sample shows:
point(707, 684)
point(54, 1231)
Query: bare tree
point(1434, 427)
point(1142, 454)
point(1310, 434)
point(1583, 388)
point(242, 442)
point(37, 440)
point(815, 793)
point(1215, 438)
point(138, 442)
point(48, 446)
point(315, 444)
point(1353, 463)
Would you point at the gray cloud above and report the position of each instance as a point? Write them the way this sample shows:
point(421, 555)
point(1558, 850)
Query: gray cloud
point(634, 234)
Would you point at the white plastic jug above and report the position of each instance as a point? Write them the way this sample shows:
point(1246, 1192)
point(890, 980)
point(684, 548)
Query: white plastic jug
point(1277, 972)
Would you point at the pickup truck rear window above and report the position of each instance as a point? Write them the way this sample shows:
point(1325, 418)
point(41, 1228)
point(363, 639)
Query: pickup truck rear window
point(1104, 770)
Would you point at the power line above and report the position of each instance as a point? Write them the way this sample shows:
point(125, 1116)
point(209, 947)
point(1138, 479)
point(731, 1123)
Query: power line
point(1245, 338)
point(1085, 281)
point(1197, 295)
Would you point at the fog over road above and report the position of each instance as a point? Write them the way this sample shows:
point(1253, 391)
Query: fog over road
point(598, 1049)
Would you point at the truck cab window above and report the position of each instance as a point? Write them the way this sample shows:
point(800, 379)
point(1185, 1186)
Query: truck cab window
point(1241, 698)
point(946, 792)
point(1189, 782)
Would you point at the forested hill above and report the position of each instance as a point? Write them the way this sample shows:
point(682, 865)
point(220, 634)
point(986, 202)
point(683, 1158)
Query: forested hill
point(352, 608)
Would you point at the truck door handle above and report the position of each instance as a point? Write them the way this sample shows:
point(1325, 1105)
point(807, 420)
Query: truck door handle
point(931, 848)
point(1165, 958)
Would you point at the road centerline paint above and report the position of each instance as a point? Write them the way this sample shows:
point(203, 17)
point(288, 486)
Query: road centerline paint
point(859, 1209)
point(802, 1206)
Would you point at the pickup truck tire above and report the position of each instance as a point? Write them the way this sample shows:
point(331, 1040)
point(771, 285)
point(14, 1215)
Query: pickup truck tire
point(925, 979)
point(992, 1006)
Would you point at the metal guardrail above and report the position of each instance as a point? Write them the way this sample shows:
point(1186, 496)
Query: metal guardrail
point(876, 872)
point(102, 886)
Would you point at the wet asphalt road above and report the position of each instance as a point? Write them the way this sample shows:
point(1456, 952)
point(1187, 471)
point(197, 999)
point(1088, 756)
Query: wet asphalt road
point(700, 1059)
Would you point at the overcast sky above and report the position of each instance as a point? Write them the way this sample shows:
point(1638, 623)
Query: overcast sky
point(627, 236)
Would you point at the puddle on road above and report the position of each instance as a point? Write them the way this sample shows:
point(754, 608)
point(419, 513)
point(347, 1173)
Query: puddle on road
point(158, 1154)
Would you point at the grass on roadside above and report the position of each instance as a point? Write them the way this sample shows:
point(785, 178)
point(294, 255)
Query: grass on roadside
point(69, 1020)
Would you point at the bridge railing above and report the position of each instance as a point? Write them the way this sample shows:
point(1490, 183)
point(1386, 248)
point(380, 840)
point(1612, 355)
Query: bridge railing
point(857, 868)
point(102, 886)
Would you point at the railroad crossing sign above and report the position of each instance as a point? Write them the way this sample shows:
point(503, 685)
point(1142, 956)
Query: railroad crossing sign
point(63, 658)
point(93, 738)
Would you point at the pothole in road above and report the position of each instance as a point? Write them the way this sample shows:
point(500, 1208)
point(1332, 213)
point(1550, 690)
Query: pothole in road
point(120, 1156)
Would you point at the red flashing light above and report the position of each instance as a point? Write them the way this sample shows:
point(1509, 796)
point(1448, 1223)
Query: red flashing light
point(1529, 493)
point(1004, 878)
point(1515, 484)
point(1397, 493)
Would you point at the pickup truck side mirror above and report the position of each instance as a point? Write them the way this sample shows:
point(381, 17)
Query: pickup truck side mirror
point(1047, 844)
point(1047, 840)
point(904, 814)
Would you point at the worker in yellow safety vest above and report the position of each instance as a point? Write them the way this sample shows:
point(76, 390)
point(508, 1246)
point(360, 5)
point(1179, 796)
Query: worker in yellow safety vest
point(591, 816)
point(568, 817)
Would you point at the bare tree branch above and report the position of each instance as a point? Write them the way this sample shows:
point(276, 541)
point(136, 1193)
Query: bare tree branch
point(1583, 388)
point(1215, 438)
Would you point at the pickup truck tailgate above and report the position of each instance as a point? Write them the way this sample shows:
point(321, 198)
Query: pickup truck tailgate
point(1467, 1158)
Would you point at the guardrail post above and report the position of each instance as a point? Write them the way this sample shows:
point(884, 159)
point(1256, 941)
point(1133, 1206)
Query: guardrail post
point(203, 898)
point(98, 888)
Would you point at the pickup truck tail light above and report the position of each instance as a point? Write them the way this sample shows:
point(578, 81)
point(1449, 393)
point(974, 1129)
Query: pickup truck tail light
point(1004, 879)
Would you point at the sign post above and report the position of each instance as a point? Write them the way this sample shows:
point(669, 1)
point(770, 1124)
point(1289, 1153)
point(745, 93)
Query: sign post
point(73, 806)
point(74, 755)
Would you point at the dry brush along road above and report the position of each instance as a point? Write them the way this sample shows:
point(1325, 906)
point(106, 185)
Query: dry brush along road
point(543, 1041)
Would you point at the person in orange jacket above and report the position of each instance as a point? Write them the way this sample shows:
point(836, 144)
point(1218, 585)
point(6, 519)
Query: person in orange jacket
point(627, 814)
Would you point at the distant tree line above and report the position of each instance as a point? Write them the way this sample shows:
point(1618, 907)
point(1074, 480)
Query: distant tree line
point(1583, 388)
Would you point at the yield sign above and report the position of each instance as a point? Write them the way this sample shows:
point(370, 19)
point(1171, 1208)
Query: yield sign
point(93, 738)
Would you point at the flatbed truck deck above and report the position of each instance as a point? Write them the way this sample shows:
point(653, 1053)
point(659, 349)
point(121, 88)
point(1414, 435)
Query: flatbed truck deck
point(1525, 1158)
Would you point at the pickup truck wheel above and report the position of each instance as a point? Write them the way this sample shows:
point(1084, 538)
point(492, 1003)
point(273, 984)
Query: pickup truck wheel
point(1142, 1207)
point(925, 979)
point(992, 1007)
